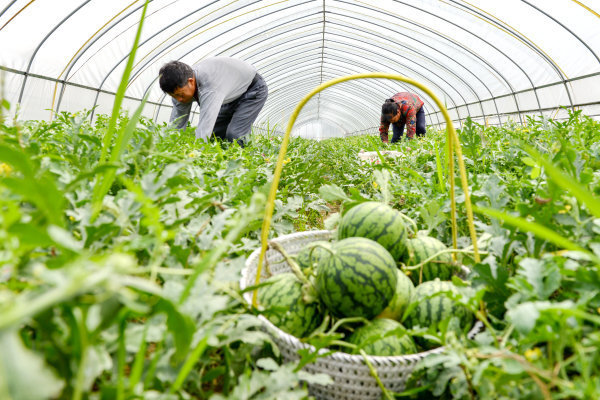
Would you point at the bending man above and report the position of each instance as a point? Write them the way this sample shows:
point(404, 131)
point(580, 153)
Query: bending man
point(229, 91)
point(399, 110)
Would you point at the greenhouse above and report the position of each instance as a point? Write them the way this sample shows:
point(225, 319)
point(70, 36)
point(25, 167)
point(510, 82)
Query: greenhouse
point(299, 199)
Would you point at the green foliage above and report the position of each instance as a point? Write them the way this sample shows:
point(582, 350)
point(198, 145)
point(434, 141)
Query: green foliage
point(142, 301)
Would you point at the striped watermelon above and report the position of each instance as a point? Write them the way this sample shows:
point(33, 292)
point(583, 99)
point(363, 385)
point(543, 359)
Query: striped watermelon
point(421, 248)
point(430, 309)
point(285, 307)
point(383, 337)
point(401, 300)
point(378, 222)
point(358, 279)
point(309, 256)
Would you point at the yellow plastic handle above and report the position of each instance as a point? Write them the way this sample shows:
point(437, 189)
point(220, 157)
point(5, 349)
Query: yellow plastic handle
point(452, 142)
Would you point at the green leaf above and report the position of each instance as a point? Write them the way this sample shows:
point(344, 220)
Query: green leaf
point(382, 177)
point(30, 235)
point(180, 325)
point(544, 277)
point(23, 373)
point(523, 317)
point(494, 278)
point(512, 366)
point(529, 161)
point(333, 193)
point(64, 238)
point(41, 191)
point(267, 363)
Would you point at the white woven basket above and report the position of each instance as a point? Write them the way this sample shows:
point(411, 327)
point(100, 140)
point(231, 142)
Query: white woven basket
point(351, 376)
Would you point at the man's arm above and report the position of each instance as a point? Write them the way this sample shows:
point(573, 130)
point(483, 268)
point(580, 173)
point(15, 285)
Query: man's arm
point(210, 105)
point(180, 114)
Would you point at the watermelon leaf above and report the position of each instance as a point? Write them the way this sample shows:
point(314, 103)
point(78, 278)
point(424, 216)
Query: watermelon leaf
point(23, 373)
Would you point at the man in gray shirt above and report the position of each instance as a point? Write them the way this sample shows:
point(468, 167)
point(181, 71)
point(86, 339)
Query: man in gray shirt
point(229, 91)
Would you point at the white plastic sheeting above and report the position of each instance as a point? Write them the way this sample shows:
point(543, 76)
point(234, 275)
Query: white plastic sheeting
point(495, 61)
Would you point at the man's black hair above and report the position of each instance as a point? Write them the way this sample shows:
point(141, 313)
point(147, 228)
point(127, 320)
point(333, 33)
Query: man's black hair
point(388, 110)
point(173, 75)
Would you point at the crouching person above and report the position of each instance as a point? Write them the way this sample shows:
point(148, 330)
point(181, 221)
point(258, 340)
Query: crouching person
point(229, 92)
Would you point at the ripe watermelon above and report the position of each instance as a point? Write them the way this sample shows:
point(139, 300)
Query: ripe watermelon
point(401, 300)
point(308, 257)
point(430, 311)
point(421, 248)
point(376, 338)
point(357, 279)
point(285, 307)
point(378, 222)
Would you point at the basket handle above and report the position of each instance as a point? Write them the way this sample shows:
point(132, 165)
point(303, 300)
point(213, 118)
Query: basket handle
point(452, 142)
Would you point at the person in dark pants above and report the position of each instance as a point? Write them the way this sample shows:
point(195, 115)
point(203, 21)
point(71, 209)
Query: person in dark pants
point(402, 109)
point(229, 91)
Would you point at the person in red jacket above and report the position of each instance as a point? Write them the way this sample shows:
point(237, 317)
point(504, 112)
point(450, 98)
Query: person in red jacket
point(402, 109)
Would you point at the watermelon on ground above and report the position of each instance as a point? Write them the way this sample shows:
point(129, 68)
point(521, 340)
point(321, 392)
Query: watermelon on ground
point(401, 300)
point(383, 337)
point(285, 306)
point(420, 249)
point(357, 279)
point(378, 222)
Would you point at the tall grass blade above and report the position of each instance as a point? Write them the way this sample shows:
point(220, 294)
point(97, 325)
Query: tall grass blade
point(104, 181)
point(439, 169)
point(107, 177)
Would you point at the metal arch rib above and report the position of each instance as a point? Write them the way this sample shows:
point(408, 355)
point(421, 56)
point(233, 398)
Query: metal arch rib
point(203, 43)
point(492, 46)
point(115, 24)
point(39, 46)
point(376, 90)
point(493, 99)
point(145, 41)
point(390, 90)
point(345, 44)
point(467, 50)
point(438, 51)
point(7, 7)
point(532, 46)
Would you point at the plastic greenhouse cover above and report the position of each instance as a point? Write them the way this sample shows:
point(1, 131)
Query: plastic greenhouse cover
point(491, 60)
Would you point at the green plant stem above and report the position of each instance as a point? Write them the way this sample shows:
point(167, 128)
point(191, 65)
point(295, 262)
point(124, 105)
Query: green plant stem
point(433, 257)
point(469, 381)
point(293, 265)
point(506, 335)
point(83, 346)
point(153, 364)
point(342, 321)
point(189, 364)
point(411, 221)
point(138, 364)
point(121, 353)
point(385, 392)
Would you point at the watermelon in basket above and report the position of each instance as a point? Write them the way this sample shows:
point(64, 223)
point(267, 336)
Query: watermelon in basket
point(351, 376)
